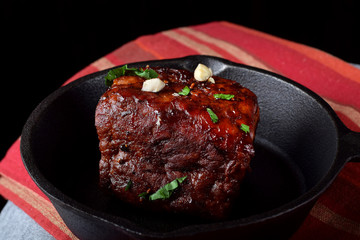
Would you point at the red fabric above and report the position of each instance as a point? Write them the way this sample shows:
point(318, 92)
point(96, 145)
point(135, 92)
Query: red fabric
point(336, 214)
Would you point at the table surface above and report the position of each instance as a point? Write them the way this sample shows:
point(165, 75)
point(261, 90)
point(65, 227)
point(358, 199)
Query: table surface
point(16, 224)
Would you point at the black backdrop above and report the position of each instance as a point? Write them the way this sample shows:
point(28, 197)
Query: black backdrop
point(46, 43)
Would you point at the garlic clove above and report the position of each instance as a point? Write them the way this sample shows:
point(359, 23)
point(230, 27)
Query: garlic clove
point(211, 79)
point(202, 73)
point(153, 85)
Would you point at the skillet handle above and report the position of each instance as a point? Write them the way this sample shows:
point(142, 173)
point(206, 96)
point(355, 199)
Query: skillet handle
point(350, 146)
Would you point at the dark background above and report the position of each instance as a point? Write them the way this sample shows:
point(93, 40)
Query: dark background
point(44, 44)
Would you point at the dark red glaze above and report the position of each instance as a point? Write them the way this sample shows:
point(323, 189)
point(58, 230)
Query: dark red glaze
point(154, 138)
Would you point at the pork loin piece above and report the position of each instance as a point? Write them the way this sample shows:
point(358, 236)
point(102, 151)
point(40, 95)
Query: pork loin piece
point(148, 140)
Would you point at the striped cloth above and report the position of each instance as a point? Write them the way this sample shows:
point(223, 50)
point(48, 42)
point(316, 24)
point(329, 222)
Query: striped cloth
point(336, 214)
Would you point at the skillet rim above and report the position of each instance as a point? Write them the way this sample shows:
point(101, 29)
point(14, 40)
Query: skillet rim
point(56, 195)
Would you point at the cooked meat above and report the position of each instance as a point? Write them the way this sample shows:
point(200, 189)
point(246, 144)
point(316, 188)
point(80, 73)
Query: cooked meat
point(149, 139)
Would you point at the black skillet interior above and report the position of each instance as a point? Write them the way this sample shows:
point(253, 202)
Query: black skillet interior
point(296, 145)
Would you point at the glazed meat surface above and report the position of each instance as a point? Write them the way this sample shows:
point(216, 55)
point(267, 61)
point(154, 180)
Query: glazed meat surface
point(149, 139)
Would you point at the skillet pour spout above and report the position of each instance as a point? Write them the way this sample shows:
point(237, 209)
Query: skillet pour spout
point(300, 144)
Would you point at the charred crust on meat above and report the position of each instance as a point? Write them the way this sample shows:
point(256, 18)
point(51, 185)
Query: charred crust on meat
point(125, 148)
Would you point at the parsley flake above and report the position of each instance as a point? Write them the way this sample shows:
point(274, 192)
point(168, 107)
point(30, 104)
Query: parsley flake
point(147, 73)
point(185, 91)
point(128, 185)
point(224, 96)
point(166, 191)
point(213, 116)
point(125, 71)
point(245, 128)
point(143, 194)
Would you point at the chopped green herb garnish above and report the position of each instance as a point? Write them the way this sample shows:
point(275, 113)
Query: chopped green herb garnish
point(128, 185)
point(224, 96)
point(166, 191)
point(115, 73)
point(143, 194)
point(245, 128)
point(185, 91)
point(124, 70)
point(213, 116)
point(147, 73)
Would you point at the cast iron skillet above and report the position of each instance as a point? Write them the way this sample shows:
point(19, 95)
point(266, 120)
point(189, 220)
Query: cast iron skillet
point(301, 146)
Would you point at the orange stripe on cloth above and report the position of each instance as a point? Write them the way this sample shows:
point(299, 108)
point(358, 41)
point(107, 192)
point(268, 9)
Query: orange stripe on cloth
point(109, 61)
point(200, 48)
point(325, 215)
point(103, 63)
point(348, 123)
point(114, 60)
point(235, 52)
point(148, 49)
point(314, 229)
point(163, 47)
point(328, 60)
point(348, 182)
point(133, 52)
point(351, 114)
point(46, 215)
point(12, 166)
